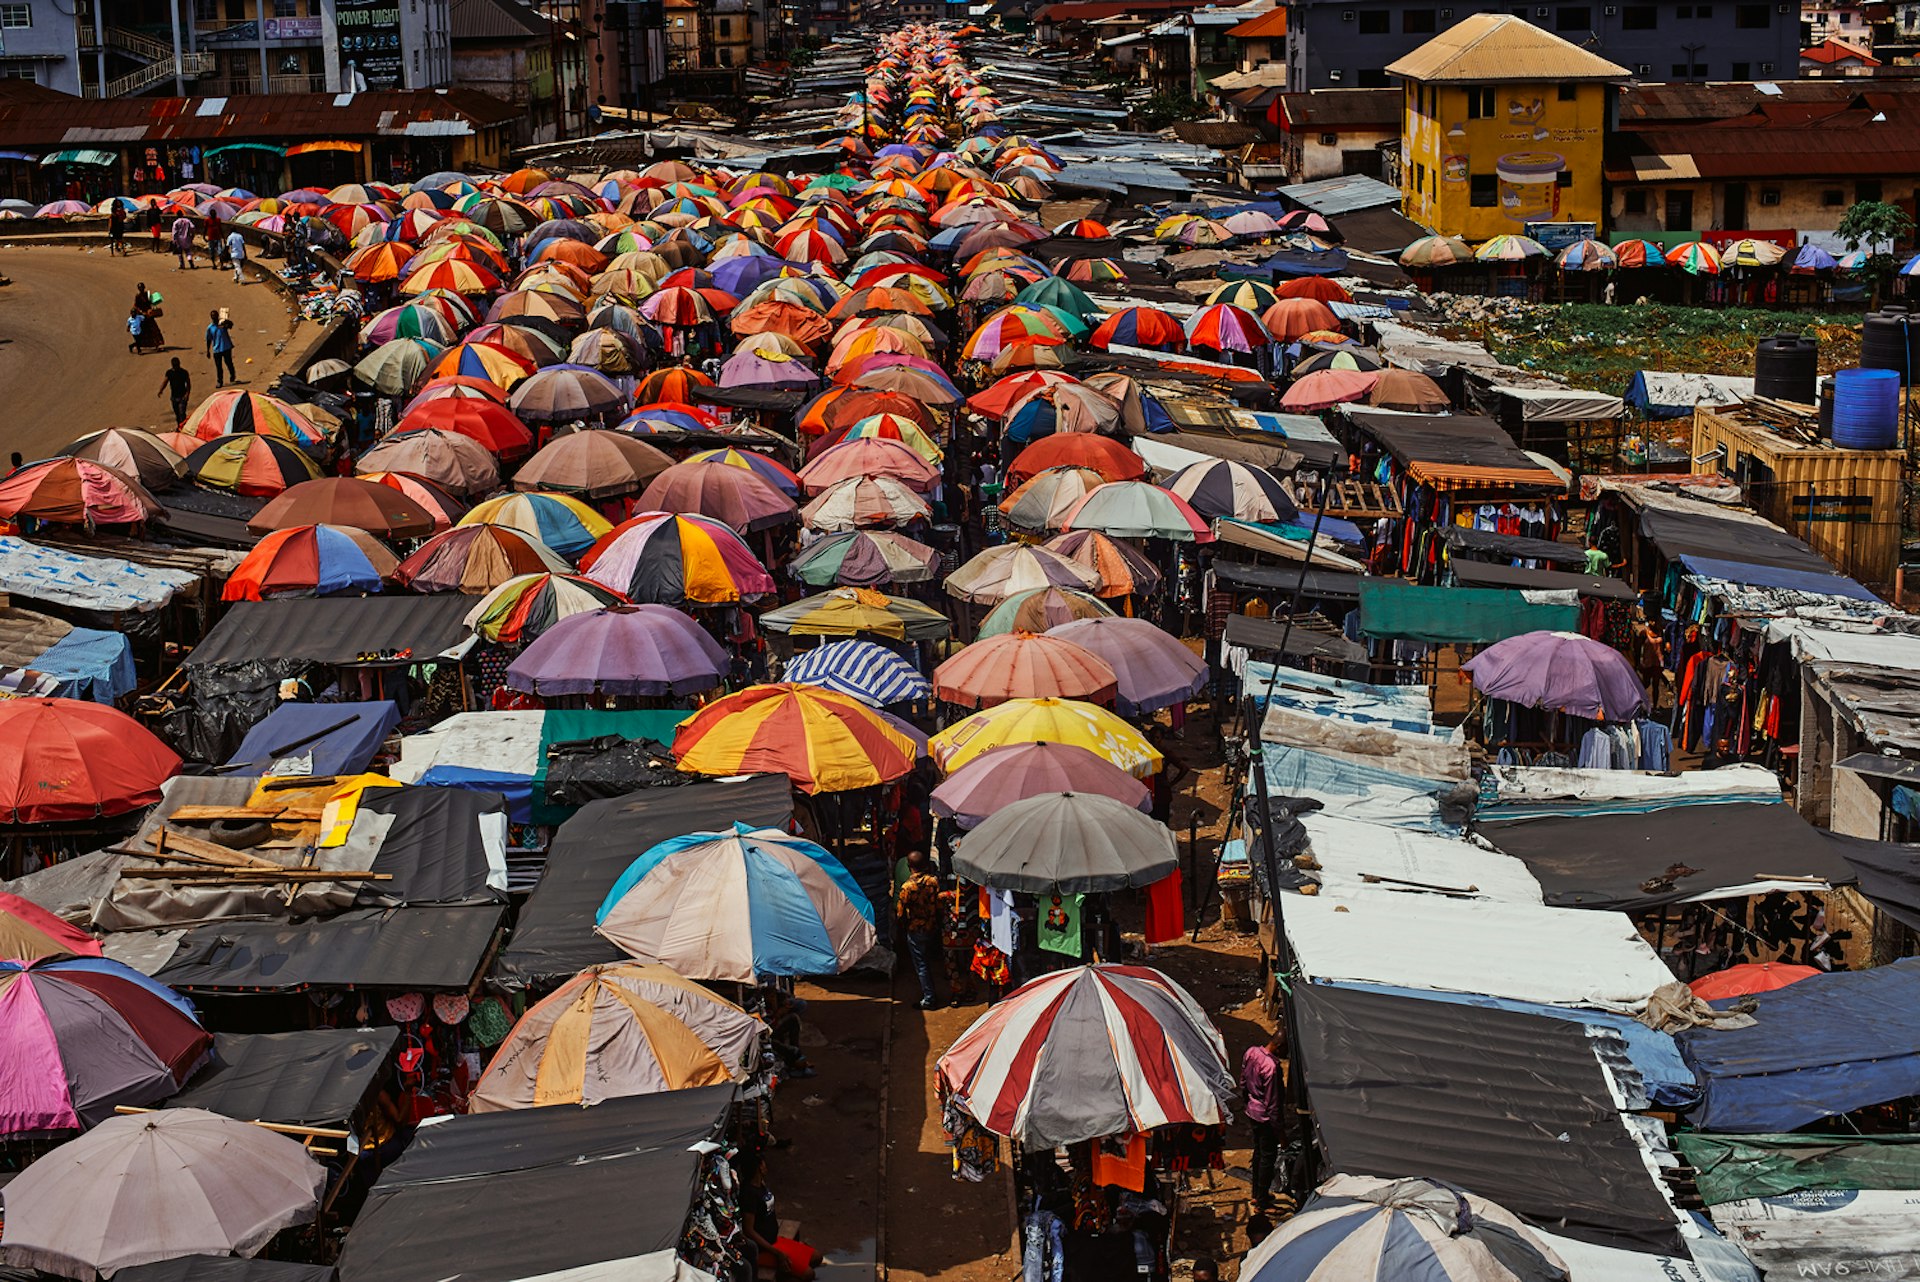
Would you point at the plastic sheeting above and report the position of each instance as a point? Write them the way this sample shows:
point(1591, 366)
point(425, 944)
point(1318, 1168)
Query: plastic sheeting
point(430, 947)
point(1730, 1167)
point(315, 1077)
point(1444, 616)
point(1532, 792)
point(89, 665)
point(1812, 582)
point(106, 584)
point(1396, 707)
point(1821, 1047)
point(1350, 852)
point(349, 735)
point(1417, 756)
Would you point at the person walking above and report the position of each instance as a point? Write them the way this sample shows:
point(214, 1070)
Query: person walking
point(154, 230)
point(220, 347)
point(117, 228)
point(183, 243)
point(177, 384)
point(917, 907)
point(237, 250)
point(1263, 1089)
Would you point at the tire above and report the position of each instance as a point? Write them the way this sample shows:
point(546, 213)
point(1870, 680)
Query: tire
point(236, 835)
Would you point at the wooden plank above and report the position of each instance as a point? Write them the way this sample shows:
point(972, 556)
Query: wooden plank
point(166, 840)
point(214, 814)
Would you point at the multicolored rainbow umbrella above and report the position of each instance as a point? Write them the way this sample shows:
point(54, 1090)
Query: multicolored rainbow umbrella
point(824, 742)
point(676, 560)
point(525, 606)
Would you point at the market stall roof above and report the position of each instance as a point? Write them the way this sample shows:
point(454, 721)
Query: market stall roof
point(1824, 1046)
point(1411, 754)
point(1745, 573)
point(1660, 394)
point(1353, 856)
point(1396, 707)
point(1273, 636)
point(315, 1077)
point(339, 630)
point(1456, 451)
point(1888, 872)
point(1515, 1107)
point(1730, 1167)
point(316, 738)
point(560, 1191)
point(424, 947)
point(1678, 534)
point(1333, 584)
point(1464, 538)
point(1401, 611)
point(1560, 404)
point(1533, 792)
point(224, 1268)
point(1573, 957)
point(555, 936)
point(440, 845)
point(109, 585)
point(1680, 854)
point(1485, 574)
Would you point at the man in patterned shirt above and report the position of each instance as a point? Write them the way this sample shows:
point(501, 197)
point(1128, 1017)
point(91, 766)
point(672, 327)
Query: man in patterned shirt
point(917, 907)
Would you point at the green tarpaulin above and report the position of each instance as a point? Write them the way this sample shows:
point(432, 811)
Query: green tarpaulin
point(1392, 610)
point(1731, 1167)
point(571, 725)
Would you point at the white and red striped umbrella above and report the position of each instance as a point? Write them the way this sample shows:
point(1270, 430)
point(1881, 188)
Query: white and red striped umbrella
point(1090, 1052)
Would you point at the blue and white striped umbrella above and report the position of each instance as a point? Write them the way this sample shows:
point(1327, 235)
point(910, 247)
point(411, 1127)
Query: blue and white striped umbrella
point(868, 672)
point(1358, 1228)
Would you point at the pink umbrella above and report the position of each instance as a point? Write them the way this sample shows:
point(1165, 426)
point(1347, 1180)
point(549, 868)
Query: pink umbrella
point(751, 368)
point(736, 496)
point(869, 456)
point(1325, 388)
point(1001, 776)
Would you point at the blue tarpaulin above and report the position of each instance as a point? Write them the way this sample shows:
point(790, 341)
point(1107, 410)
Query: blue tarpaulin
point(1774, 576)
point(1824, 1046)
point(89, 665)
point(353, 732)
point(517, 789)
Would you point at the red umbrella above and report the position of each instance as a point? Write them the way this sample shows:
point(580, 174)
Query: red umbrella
point(869, 456)
point(66, 759)
point(1023, 665)
point(997, 400)
point(1101, 454)
point(493, 426)
point(1752, 977)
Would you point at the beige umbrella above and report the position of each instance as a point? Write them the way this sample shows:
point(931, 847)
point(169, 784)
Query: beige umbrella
point(625, 1028)
point(595, 463)
point(155, 1186)
point(1001, 572)
point(449, 459)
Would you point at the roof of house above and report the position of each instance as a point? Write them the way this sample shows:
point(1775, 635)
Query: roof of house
point(1697, 102)
point(1778, 140)
point(1268, 26)
point(1270, 75)
point(1334, 109)
point(1222, 135)
point(1490, 47)
point(495, 20)
point(1832, 51)
point(1097, 10)
point(279, 117)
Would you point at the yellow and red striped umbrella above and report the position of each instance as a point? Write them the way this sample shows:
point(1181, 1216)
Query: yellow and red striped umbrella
point(823, 741)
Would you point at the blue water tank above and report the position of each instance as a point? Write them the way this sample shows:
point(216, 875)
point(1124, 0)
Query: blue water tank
point(1866, 409)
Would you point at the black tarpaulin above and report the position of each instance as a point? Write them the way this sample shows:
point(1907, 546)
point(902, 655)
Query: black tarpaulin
point(1460, 538)
point(1888, 872)
point(1634, 861)
point(1703, 534)
point(224, 1268)
point(497, 1197)
point(1332, 584)
point(1265, 636)
point(336, 630)
point(317, 1077)
point(1481, 574)
point(434, 851)
point(428, 946)
point(1514, 1107)
point(554, 937)
point(1461, 440)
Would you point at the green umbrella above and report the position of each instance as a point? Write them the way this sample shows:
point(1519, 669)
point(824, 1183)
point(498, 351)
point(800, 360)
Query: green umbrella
point(397, 366)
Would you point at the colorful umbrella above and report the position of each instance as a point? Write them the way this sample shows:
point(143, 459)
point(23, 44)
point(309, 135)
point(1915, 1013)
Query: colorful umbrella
point(861, 501)
point(997, 778)
point(620, 650)
point(1429, 252)
point(616, 1030)
point(490, 361)
point(259, 466)
point(1041, 502)
point(1510, 249)
point(739, 905)
point(456, 463)
point(675, 560)
point(431, 495)
point(230, 413)
point(1748, 252)
point(846, 612)
point(558, 521)
point(1066, 843)
point(1046, 720)
point(1225, 328)
point(1000, 572)
point(29, 932)
point(84, 1035)
point(74, 491)
point(1037, 611)
point(824, 742)
point(526, 606)
point(869, 457)
point(1325, 388)
point(1559, 672)
point(775, 474)
point(1022, 665)
point(1138, 327)
point(1221, 488)
point(594, 464)
point(1120, 568)
point(67, 759)
point(1640, 253)
point(1696, 257)
point(476, 559)
point(1153, 669)
point(1586, 255)
point(865, 558)
point(1090, 1052)
point(870, 673)
point(345, 500)
point(310, 560)
point(1749, 977)
point(1101, 454)
point(1810, 259)
point(133, 452)
point(1138, 510)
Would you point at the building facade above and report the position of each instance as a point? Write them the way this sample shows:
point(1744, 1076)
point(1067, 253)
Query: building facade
point(1504, 125)
point(1341, 43)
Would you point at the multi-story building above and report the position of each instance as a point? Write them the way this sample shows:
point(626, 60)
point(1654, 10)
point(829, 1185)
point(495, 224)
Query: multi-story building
point(1505, 125)
point(513, 51)
point(1348, 43)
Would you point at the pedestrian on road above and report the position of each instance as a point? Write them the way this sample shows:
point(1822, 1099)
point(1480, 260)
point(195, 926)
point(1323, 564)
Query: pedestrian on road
point(917, 906)
point(178, 385)
point(237, 250)
point(136, 323)
point(117, 228)
point(183, 243)
point(220, 347)
point(1263, 1086)
point(154, 229)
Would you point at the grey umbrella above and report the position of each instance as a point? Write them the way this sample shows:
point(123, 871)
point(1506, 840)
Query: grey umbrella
point(1074, 842)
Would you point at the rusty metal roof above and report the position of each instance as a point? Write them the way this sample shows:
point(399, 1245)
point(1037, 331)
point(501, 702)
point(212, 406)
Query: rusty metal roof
point(31, 122)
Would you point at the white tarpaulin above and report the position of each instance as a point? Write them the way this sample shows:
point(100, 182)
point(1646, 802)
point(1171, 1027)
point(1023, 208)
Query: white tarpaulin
point(1561, 404)
point(1716, 1261)
point(1524, 792)
point(1349, 852)
point(506, 743)
point(1828, 1233)
point(1874, 649)
point(104, 583)
point(1559, 956)
point(1418, 756)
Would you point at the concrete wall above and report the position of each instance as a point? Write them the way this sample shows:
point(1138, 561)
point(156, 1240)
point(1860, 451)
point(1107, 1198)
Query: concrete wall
point(1536, 158)
point(1309, 159)
point(53, 35)
point(1805, 204)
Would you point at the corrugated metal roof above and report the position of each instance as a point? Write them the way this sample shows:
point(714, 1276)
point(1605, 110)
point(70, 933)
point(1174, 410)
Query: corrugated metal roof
point(1494, 47)
point(27, 121)
point(1343, 195)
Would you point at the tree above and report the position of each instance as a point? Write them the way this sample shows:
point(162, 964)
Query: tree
point(1875, 225)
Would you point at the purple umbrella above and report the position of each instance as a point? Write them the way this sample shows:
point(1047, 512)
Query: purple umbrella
point(734, 496)
point(1559, 672)
point(761, 369)
point(623, 649)
point(741, 276)
point(1155, 670)
point(999, 777)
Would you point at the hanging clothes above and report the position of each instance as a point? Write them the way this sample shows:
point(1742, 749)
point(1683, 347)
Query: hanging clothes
point(1166, 909)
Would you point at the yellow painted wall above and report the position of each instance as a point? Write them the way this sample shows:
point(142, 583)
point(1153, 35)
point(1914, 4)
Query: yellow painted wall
point(1531, 137)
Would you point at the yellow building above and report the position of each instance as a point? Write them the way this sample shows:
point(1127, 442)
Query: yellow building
point(1505, 125)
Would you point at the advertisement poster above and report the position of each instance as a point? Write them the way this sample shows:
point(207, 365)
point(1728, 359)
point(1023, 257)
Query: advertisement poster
point(369, 32)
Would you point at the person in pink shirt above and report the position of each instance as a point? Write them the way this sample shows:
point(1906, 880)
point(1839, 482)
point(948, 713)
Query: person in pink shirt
point(1263, 1088)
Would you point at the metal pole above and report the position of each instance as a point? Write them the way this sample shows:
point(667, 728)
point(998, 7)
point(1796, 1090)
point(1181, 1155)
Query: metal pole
point(179, 72)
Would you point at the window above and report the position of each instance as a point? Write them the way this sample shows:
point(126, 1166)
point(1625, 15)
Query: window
point(1833, 198)
point(1703, 11)
point(1418, 22)
point(284, 9)
point(1573, 18)
point(1679, 71)
point(1679, 211)
point(1770, 196)
point(1372, 78)
point(1634, 202)
point(1569, 92)
point(1867, 189)
point(1375, 22)
point(13, 17)
point(1479, 104)
point(18, 71)
point(1563, 179)
point(725, 27)
point(1483, 191)
point(1419, 177)
point(1329, 140)
point(1742, 71)
point(1684, 11)
point(1640, 17)
point(1752, 17)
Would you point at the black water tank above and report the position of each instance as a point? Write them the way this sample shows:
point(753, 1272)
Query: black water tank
point(1890, 339)
point(1786, 367)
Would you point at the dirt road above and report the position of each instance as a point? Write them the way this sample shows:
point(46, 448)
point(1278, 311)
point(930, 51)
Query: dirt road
point(64, 365)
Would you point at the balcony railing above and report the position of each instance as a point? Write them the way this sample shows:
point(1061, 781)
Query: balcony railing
point(226, 87)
